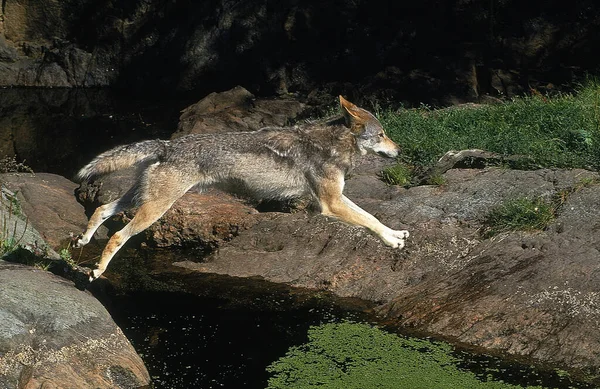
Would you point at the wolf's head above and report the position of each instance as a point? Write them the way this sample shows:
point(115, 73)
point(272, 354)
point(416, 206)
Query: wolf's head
point(368, 131)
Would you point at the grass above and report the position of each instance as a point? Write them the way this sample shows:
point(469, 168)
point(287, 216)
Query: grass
point(10, 210)
point(350, 355)
point(561, 131)
point(520, 214)
point(399, 174)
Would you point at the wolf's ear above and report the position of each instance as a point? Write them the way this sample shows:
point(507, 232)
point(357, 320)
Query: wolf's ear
point(355, 117)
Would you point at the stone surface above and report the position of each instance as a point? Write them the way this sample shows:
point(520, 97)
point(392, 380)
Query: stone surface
point(47, 200)
point(529, 294)
point(55, 336)
point(236, 110)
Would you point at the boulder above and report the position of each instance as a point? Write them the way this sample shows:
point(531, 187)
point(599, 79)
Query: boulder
point(47, 200)
point(55, 336)
point(236, 110)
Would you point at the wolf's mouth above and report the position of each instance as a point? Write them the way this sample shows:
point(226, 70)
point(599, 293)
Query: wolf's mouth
point(387, 154)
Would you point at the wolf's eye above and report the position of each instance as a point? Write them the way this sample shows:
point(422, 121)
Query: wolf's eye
point(381, 135)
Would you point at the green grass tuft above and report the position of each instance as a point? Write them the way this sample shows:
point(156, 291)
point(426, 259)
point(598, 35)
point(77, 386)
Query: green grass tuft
point(560, 131)
point(399, 174)
point(521, 214)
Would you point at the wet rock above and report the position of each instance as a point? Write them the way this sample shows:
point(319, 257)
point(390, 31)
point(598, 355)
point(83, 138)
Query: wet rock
point(55, 336)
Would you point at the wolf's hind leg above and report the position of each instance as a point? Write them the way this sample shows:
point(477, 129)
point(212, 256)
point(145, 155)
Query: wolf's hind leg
point(147, 214)
point(161, 186)
point(100, 215)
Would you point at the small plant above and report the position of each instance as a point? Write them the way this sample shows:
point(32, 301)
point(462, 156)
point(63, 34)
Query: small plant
point(399, 174)
point(436, 179)
point(521, 214)
point(66, 256)
point(9, 238)
point(13, 200)
point(10, 165)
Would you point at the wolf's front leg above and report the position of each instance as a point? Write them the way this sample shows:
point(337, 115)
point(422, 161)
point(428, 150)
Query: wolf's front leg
point(334, 203)
point(392, 238)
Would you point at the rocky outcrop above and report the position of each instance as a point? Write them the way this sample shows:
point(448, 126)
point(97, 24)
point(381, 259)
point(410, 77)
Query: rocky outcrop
point(55, 336)
point(402, 51)
point(530, 294)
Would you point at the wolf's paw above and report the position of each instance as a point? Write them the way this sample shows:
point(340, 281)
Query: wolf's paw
point(94, 274)
point(395, 238)
point(80, 241)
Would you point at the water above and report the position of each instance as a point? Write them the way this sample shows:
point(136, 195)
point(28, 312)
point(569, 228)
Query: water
point(222, 332)
point(60, 130)
point(209, 331)
point(191, 342)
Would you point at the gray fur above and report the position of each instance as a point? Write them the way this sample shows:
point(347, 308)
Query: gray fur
point(122, 157)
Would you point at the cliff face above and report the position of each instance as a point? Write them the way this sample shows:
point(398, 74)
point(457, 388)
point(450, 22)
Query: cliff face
point(428, 50)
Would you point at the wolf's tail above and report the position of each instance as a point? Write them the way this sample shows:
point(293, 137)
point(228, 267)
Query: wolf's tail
point(122, 157)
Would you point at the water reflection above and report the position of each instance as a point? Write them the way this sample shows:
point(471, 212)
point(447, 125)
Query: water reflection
point(59, 130)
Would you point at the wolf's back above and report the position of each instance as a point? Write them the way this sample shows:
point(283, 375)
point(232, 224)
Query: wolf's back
point(122, 157)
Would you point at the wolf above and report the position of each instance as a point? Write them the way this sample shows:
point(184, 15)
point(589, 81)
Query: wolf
point(273, 163)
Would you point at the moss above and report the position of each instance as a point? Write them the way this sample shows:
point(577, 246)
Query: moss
point(358, 356)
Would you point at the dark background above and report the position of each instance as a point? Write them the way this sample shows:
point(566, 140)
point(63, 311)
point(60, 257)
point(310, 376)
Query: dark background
point(437, 52)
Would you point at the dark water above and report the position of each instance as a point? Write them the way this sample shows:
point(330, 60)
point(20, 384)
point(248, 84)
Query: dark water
point(60, 130)
point(223, 332)
point(191, 342)
point(192, 331)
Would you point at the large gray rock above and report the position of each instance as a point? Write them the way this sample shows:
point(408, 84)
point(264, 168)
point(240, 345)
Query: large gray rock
point(55, 336)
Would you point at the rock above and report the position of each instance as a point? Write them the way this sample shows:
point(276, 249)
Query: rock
point(528, 294)
point(16, 230)
point(235, 110)
point(55, 336)
point(7, 52)
point(202, 221)
point(47, 200)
